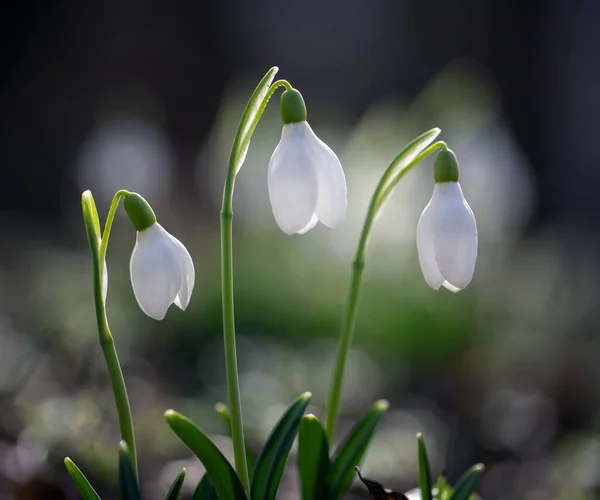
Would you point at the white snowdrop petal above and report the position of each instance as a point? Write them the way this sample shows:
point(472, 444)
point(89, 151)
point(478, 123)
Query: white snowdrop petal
point(332, 193)
point(186, 264)
point(455, 236)
point(425, 245)
point(312, 223)
point(292, 181)
point(156, 275)
point(450, 287)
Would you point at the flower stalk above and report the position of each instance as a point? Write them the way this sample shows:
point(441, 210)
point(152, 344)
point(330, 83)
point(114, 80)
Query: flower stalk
point(404, 162)
point(98, 246)
point(250, 118)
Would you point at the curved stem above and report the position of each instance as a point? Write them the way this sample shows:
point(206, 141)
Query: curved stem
point(384, 189)
point(109, 221)
point(106, 339)
point(233, 384)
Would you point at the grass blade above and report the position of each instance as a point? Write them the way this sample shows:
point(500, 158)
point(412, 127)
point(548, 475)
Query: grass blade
point(424, 470)
point(271, 461)
point(467, 483)
point(81, 483)
point(175, 489)
point(223, 411)
point(225, 480)
point(205, 490)
point(128, 485)
point(351, 452)
point(313, 459)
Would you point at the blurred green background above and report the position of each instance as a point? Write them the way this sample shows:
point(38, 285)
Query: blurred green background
point(146, 97)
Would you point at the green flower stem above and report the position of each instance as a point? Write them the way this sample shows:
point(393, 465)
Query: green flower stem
point(233, 382)
point(385, 187)
point(106, 339)
point(109, 222)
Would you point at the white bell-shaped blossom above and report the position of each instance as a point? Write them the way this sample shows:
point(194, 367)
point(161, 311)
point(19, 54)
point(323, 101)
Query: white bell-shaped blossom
point(447, 239)
point(162, 272)
point(306, 181)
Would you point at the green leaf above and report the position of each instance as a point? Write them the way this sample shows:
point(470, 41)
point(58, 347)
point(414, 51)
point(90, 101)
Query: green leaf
point(313, 459)
point(250, 118)
point(175, 489)
point(221, 473)
point(444, 490)
point(81, 483)
point(351, 452)
point(223, 411)
point(271, 461)
point(467, 483)
point(128, 484)
point(205, 490)
point(403, 163)
point(424, 470)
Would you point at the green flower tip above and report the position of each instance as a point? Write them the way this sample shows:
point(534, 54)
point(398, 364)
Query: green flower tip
point(306, 396)
point(310, 416)
point(293, 109)
point(445, 166)
point(478, 468)
point(139, 211)
point(221, 408)
point(123, 448)
point(169, 414)
point(382, 405)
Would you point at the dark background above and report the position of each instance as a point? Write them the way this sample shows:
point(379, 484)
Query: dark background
point(146, 96)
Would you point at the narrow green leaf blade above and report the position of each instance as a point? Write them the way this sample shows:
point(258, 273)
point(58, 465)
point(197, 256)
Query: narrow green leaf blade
point(424, 470)
point(205, 490)
point(467, 483)
point(313, 459)
point(351, 452)
point(271, 461)
point(128, 484)
point(81, 483)
point(250, 119)
point(223, 411)
point(175, 488)
point(222, 475)
point(443, 488)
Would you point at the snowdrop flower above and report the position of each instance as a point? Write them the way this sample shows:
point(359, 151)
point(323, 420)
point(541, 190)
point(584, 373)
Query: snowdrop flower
point(305, 177)
point(447, 232)
point(162, 271)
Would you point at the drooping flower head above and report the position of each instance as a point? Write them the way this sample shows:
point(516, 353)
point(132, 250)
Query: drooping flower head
point(447, 231)
point(161, 269)
point(305, 177)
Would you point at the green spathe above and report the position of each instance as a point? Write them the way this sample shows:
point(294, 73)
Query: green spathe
point(293, 109)
point(139, 211)
point(445, 167)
